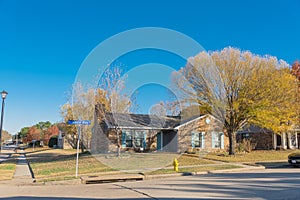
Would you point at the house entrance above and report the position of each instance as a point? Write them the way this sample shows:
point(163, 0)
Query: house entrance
point(278, 140)
point(167, 141)
point(298, 139)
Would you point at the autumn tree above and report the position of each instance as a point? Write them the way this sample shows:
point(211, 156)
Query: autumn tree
point(50, 132)
point(33, 134)
point(238, 88)
point(69, 130)
point(296, 69)
point(5, 136)
point(296, 72)
point(111, 97)
point(81, 104)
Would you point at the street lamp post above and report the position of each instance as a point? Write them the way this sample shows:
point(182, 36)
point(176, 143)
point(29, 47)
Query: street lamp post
point(3, 94)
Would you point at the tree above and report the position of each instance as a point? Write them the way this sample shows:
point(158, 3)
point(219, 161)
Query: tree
point(296, 69)
point(23, 133)
point(69, 130)
point(43, 125)
point(296, 72)
point(158, 109)
point(5, 136)
point(238, 88)
point(81, 105)
point(50, 132)
point(34, 134)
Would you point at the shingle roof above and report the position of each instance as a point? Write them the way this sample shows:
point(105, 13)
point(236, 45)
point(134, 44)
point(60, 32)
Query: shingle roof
point(140, 121)
point(253, 129)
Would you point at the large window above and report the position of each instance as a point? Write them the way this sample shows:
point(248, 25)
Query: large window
point(198, 139)
point(135, 139)
point(139, 139)
point(127, 138)
point(217, 140)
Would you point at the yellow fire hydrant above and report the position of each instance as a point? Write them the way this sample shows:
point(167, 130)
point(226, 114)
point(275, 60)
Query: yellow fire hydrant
point(175, 164)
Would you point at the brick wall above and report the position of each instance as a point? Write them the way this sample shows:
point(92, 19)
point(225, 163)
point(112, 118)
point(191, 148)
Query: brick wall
point(261, 140)
point(200, 125)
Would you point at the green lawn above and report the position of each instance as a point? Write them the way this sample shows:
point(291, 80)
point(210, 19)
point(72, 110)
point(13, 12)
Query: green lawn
point(7, 169)
point(254, 156)
point(58, 164)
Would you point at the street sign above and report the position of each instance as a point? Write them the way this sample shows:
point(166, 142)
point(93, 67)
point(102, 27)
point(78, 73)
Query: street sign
point(79, 122)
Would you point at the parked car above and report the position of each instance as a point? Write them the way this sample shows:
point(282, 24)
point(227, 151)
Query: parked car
point(294, 159)
point(35, 143)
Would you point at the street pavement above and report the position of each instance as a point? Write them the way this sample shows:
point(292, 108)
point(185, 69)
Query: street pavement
point(278, 183)
point(5, 154)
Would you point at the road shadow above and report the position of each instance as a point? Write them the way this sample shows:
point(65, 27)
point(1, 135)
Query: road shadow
point(68, 198)
point(275, 165)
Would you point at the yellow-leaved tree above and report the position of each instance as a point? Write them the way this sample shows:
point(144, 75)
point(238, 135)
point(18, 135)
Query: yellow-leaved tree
point(239, 88)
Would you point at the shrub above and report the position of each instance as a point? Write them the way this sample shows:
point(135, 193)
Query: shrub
point(247, 145)
point(52, 141)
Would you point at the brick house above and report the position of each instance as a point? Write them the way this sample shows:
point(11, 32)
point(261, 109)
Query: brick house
point(142, 132)
point(267, 139)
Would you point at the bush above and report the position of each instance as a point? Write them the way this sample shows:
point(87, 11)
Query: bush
point(247, 145)
point(52, 141)
point(35, 143)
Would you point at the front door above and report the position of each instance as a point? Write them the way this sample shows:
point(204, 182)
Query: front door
point(159, 141)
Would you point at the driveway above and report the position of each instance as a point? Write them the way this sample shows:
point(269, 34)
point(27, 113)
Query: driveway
point(265, 184)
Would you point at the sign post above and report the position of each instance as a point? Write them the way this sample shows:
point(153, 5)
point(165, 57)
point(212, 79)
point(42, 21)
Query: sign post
point(79, 123)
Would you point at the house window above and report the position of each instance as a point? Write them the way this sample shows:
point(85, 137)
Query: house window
point(217, 140)
point(139, 139)
point(245, 136)
point(198, 139)
point(127, 138)
point(136, 139)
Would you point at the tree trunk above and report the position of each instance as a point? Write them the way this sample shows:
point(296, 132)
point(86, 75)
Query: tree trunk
point(232, 139)
point(118, 144)
point(82, 146)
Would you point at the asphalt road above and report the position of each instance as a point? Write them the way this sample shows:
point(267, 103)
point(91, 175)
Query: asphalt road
point(266, 184)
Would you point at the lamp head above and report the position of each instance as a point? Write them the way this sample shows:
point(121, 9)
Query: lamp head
point(3, 94)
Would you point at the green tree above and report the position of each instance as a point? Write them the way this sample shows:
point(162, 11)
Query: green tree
point(43, 125)
point(239, 88)
point(23, 132)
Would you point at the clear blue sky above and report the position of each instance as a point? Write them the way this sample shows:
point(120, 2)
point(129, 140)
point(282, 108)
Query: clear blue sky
point(44, 42)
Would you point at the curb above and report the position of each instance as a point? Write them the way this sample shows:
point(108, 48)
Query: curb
point(107, 179)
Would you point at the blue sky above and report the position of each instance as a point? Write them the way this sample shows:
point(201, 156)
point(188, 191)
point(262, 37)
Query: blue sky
point(44, 42)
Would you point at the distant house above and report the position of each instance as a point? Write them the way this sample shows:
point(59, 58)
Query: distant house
point(267, 139)
point(142, 132)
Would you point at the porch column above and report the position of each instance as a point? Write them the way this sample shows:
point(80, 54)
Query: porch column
point(296, 140)
point(283, 140)
point(289, 137)
point(274, 141)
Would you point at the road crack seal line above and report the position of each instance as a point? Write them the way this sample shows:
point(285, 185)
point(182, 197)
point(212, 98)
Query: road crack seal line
point(134, 190)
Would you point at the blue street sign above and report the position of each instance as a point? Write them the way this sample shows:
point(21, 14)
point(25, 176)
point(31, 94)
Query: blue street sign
point(79, 122)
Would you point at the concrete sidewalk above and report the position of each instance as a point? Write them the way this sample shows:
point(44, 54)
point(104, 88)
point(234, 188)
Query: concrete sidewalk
point(22, 174)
